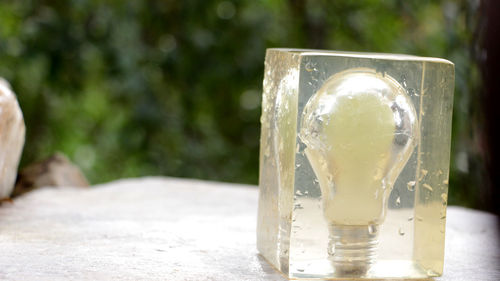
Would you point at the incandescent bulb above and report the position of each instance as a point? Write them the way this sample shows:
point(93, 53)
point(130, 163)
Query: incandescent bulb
point(360, 129)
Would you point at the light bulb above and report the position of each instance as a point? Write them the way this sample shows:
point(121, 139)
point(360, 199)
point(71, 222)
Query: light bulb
point(360, 129)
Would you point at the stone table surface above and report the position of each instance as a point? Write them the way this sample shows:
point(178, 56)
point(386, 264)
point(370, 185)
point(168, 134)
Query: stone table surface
point(172, 229)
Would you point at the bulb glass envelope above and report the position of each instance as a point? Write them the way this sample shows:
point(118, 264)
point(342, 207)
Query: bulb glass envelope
point(311, 220)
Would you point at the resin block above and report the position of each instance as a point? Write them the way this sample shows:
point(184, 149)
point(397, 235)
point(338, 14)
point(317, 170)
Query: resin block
point(354, 162)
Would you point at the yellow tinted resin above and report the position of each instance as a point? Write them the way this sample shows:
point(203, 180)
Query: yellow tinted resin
point(350, 144)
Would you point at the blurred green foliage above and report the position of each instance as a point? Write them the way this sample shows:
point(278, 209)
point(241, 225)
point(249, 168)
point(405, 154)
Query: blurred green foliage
point(132, 88)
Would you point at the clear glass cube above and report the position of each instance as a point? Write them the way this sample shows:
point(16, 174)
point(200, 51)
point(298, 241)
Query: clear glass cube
point(354, 163)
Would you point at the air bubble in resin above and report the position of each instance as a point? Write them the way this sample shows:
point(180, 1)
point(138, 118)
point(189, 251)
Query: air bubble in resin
point(411, 185)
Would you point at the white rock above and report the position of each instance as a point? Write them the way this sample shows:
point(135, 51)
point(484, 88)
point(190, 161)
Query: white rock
point(12, 132)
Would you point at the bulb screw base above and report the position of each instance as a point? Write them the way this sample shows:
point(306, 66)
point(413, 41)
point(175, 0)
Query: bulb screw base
point(352, 248)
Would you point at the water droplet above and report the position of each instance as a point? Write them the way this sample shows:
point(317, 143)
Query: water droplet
point(401, 231)
point(423, 173)
point(404, 82)
point(444, 198)
point(442, 213)
point(310, 67)
point(298, 148)
point(298, 192)
point(298, 207)
point(410, 218)
point(300, 270)
point(329, 178)
point(428, 187)
point(431, 272)
point(331, 248)
point(306, 192)
point(297, 165)
point(419, 218)
point(372, 229)
point(384, 185)
point(411, 185)
point(445, 182)
point(398, 201)
point(439, 172)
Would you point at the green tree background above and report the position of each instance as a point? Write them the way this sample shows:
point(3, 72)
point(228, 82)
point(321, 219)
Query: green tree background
point(133, 88)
